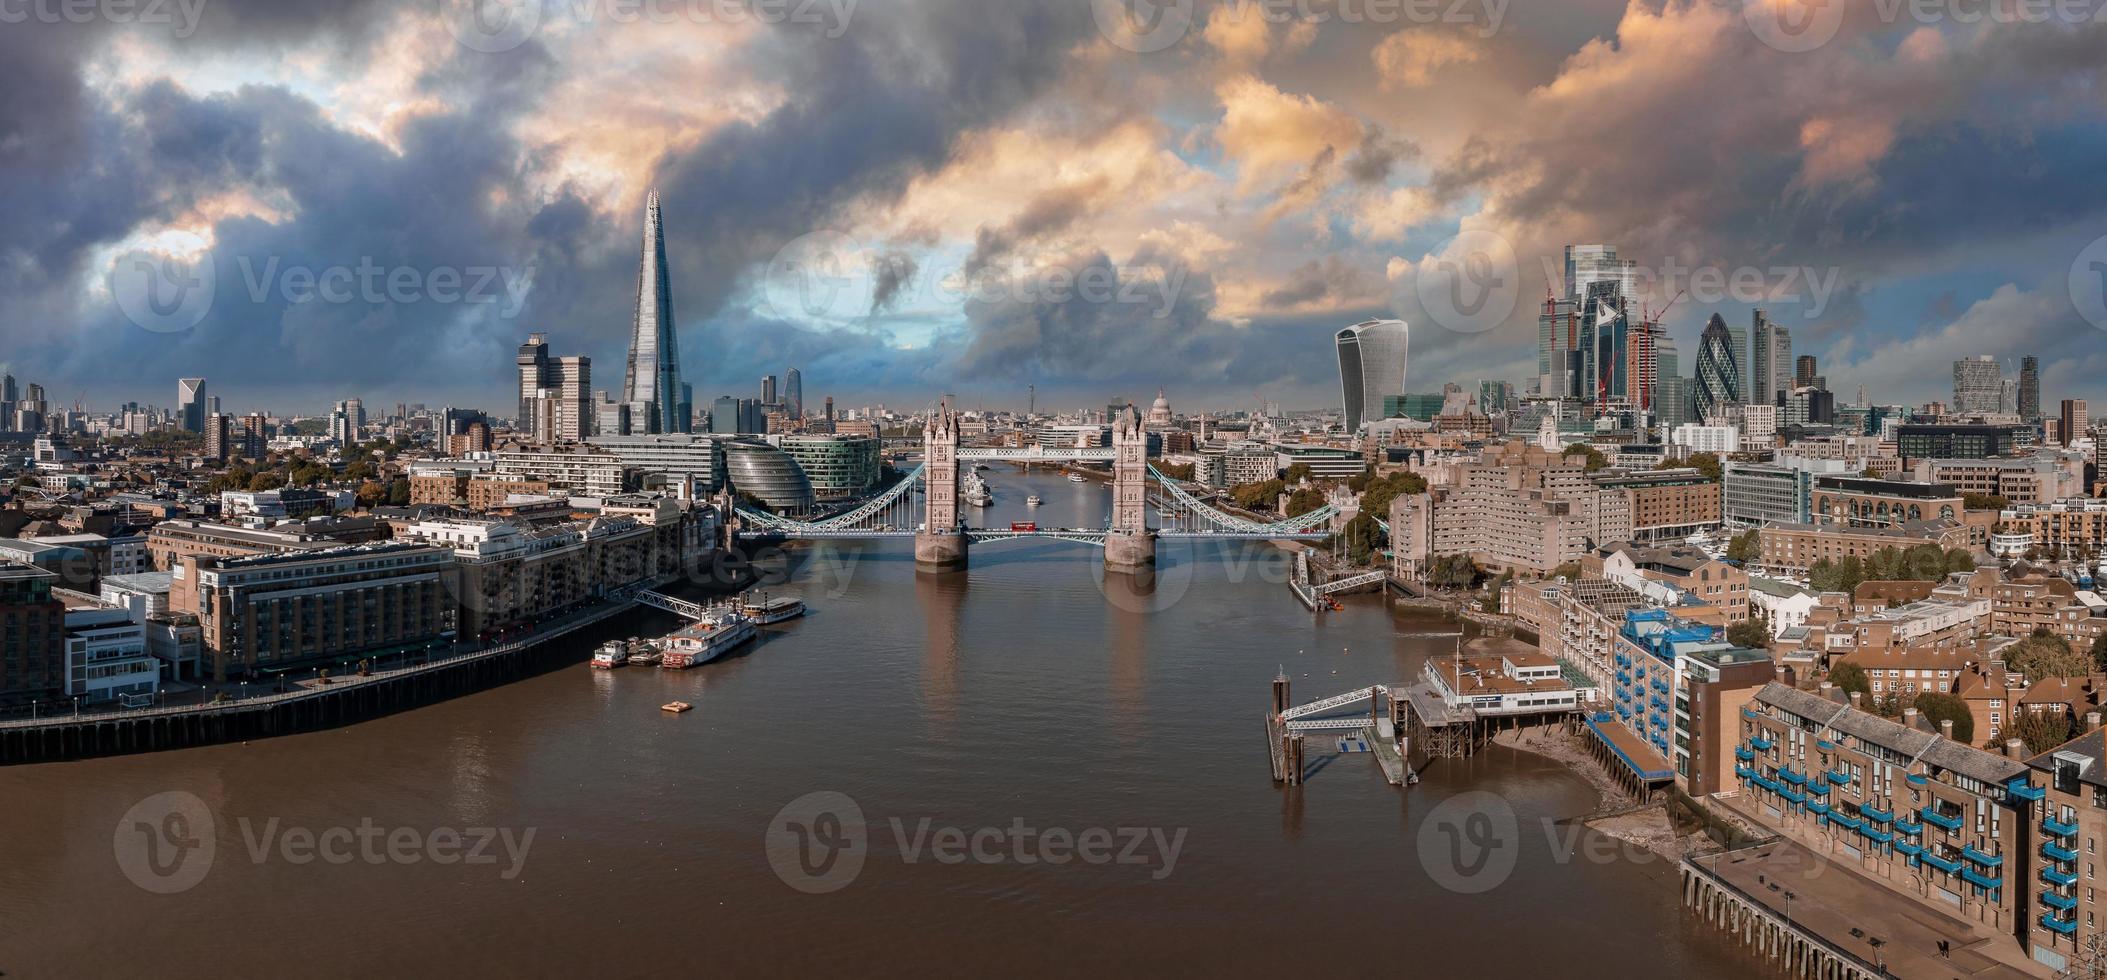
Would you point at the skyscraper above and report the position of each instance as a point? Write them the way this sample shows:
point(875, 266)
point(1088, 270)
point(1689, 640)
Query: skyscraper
point(2030, 387)
point(1718, 374)
point(1557, 342)
point(768, 389)
point(219, 432)
point(1806, 372)
point(533, 377)
point(1978, 386)
point(191, 404)
point(2072, 421)
point(794, 394)
point(1587, 265)
point(652, 384)
point(1770, 361)
point(1372, 357)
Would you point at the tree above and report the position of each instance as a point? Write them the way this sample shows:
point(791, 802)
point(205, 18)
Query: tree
point(1304, 500)
point(1751, 632)
point(2041, 730)
point(2045, 654)
point(1453, 571)
point(1596, 460)
point(1843, 576)
point(1959, 560)
point(1926, 563)
point(266, 480)
point(1945, 707)
point(1745, 547)
point(1569, 570)
point(1176, 471)
point(399, 493)
point(1851, 677)
point(1707, 464)
point(1259, 495)
point(371, 493)
point(2099, 653)
point(1983, 501)
point(1362, 536)
point(1296, 474)
point(1492, 593)
point(1378, 493)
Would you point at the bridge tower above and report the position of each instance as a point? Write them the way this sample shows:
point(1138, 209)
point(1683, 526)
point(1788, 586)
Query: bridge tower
point(941, 543)
point(1129, 544)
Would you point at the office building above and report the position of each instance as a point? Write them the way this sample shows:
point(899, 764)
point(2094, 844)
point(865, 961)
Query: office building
point(1960, 440)
point(1372, 361)
point(794, 394)
point(2073, 420)
point(766, 473)
point(1557, 348)
point(1978, 387)
point(533, 362)
point(686, 465)
point(33, 646)
point(1807, 372)
point(2029, 398)
point(1587, 265)
point(269, 612)
point(768, 389)
point(838, 467)
point(651, 385)
point(1718, 368)
point(555, 394)
point(191, 405)
point(1770, 360)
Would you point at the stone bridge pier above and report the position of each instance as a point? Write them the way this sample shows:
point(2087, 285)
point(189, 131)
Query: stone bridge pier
point(940, 545)
point(1129, 544)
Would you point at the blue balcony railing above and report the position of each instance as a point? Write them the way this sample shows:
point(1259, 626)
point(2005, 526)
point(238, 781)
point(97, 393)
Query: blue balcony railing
point(2064, 926)
point(2021, 789)
point(2052, 852)
point(2059, 828)
point(1932, 816)
point(2062, 878)
point(2055, 901)
point(1986, 860)
point(1761, 744)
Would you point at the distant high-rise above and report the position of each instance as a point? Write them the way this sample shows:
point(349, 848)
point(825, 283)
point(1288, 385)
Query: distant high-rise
point(1718, 375)
point(830, 408)
point(1587, 265)
point(652, 384)
point(191, 406)
point(533, 377)
point(1770, 357)
point(1557, 347)
point(2030, 387)
point(768, 389)
point(1978, 386)
point(1806, 372)
point(1372, 358)
point(794, 394)
point(2072, 421)
point(219, 432)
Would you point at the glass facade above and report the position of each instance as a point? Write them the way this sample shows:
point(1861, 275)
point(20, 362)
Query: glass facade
point(768, 473)
point(838, 467)
point(1372, 358)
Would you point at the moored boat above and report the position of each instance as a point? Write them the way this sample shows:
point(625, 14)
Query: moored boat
point(612, 654)
point(701, 642)
point(774, 609)
point(1033, 501)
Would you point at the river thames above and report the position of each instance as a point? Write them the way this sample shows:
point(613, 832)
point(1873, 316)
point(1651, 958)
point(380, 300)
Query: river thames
point(1042, 771)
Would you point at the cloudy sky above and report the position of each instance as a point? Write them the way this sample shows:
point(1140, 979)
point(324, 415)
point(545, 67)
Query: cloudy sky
point(305, 201)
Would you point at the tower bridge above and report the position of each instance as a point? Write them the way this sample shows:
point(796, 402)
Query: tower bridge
point(943, 539)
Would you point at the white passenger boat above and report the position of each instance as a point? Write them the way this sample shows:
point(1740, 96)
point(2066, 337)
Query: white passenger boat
point(773, 610)
point(701, 642)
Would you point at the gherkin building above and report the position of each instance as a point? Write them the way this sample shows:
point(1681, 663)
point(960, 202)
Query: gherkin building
point(1718, 371)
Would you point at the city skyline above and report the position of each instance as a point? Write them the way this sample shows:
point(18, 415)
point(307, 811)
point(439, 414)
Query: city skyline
point(1282, 196)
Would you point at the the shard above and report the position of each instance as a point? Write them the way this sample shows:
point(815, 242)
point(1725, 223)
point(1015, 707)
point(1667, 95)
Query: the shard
point(652, 384)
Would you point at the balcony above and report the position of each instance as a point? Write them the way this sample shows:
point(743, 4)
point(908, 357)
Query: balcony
point(1918, 779)
point(1839, 778)
point(2063, 879)
point(2023, 790)
point(1818, 788)
point(1908, 827)
point(2058, 828)
point(1937, 819)
point(1744, 754)
point(2052, 852)
point(1761, 744)
point(1970, 876)
point(1750, 714)
point(1878, 816)
point(2064, 926)
point(1818, 807)
point(1792, 777)
point(2055, 901)
point(1950, 867)
point(1986, 860)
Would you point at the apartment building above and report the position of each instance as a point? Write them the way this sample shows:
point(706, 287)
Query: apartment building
point(1666, 504)
point(1794, 548)
point(32, 633)
point(266, 613)
point(1938, 822)
point(2041, 479)
point(2071, 527)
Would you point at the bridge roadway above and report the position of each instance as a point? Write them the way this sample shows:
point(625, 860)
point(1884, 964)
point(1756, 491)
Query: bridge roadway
point(1091, 536)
